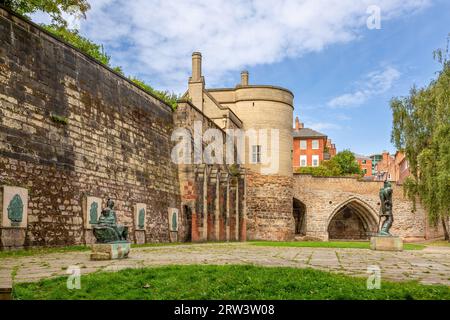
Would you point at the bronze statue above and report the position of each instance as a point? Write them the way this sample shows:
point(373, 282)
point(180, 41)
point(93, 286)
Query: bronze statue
point(386, 209)
point(107, 230)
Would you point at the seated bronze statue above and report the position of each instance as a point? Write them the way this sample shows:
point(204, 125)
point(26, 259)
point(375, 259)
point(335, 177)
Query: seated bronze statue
point(107, 230)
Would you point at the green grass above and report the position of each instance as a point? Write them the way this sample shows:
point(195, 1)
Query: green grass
point(47, 250)
point(440, 243)
point(38, 251)
point(224, 282)
point(330, 244)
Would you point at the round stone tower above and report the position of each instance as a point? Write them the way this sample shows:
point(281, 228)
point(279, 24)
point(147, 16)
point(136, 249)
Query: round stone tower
point(263, 109)
point(268, 112)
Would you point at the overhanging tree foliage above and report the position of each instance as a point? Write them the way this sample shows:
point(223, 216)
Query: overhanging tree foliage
point(421, 128)
point(55, 8)
point(59, 28)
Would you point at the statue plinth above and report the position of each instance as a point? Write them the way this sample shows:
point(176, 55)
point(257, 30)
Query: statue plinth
point(389, 243)
point(110, 251)
point(111, 237)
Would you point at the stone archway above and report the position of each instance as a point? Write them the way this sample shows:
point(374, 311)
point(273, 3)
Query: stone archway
point(352, 220)
point(299, 213)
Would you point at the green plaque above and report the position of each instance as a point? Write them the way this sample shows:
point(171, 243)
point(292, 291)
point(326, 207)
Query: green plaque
point(93, 213)
point(174, 221)
point(141, 219)
point(15, 210)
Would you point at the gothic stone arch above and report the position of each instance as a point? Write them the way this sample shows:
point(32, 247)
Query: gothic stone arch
point(353, 219)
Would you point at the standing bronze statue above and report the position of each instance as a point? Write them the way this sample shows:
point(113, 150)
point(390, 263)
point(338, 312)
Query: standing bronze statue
point(386, 209)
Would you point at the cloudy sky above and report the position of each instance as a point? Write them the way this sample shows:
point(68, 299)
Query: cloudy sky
point(342, 67)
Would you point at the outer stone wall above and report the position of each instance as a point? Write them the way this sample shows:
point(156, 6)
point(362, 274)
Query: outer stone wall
point(324, 197)
point(211, 194)
point(71, 128)
point(269, 202)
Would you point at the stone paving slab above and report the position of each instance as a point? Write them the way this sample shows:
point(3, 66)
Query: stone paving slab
point(428, 266)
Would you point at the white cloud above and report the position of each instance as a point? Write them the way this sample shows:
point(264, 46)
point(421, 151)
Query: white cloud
point(323, 126)
point(374, 83)
point(155, 38)
point(342, 117)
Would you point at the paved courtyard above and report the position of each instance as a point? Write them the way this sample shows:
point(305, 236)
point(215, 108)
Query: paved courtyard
point(429, 266)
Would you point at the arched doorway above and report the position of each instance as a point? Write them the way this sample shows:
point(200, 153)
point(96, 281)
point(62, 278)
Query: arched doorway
point(299, 212)
point(188, 223)
point(353, 220)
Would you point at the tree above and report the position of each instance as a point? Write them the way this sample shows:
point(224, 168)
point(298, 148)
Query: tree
point(421, 128)
point(342, 164)
point(55, 8)
point(347, 162)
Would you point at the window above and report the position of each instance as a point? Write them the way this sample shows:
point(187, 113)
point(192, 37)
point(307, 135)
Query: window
point(303, 145)
point(315, 144)
point(363, 162)
point(256, 154)
point(315, 160)
point(303, 162)
point(365, 171)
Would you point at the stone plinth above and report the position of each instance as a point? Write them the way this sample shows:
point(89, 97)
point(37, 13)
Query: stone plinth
point(110, 251)
point(386, 243)
point(139, 236)
point(5, 292)
point(12, 238)
point(89, 237)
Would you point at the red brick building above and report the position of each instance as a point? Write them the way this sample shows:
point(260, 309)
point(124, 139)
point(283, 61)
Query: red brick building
point(309, 146)
point(365, 164)
point(330, 150)
point(392, 168)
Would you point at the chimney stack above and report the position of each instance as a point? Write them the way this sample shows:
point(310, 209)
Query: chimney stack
point(196, 67)
point(298, 124)
point(244, 78)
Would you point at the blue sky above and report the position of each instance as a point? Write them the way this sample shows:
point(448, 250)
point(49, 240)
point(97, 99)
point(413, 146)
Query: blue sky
point(342, 73)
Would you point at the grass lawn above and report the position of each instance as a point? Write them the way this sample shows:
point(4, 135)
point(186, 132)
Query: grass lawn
point(47, 250)
point(441, 243)
point(330, 244)
point(224, 282)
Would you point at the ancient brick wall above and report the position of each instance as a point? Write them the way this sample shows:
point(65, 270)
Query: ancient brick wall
point(269, 207)
point(325, 197)
point(70, 127)
point(216, 209)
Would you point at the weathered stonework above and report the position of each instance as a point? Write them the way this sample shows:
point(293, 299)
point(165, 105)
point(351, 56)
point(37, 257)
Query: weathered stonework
point(110, 251)
point(269, 207)
point(212, 196)
point(108, 145)
point(386, 243)
point(325, 197)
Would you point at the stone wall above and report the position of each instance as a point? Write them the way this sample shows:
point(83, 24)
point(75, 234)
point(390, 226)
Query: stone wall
point(325, 197)
point(269, 207)
point(212, 193)
point(71, 128)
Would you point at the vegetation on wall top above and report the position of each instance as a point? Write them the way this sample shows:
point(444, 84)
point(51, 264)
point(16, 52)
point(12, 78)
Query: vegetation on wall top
point(55, 8)
point(59, 29)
